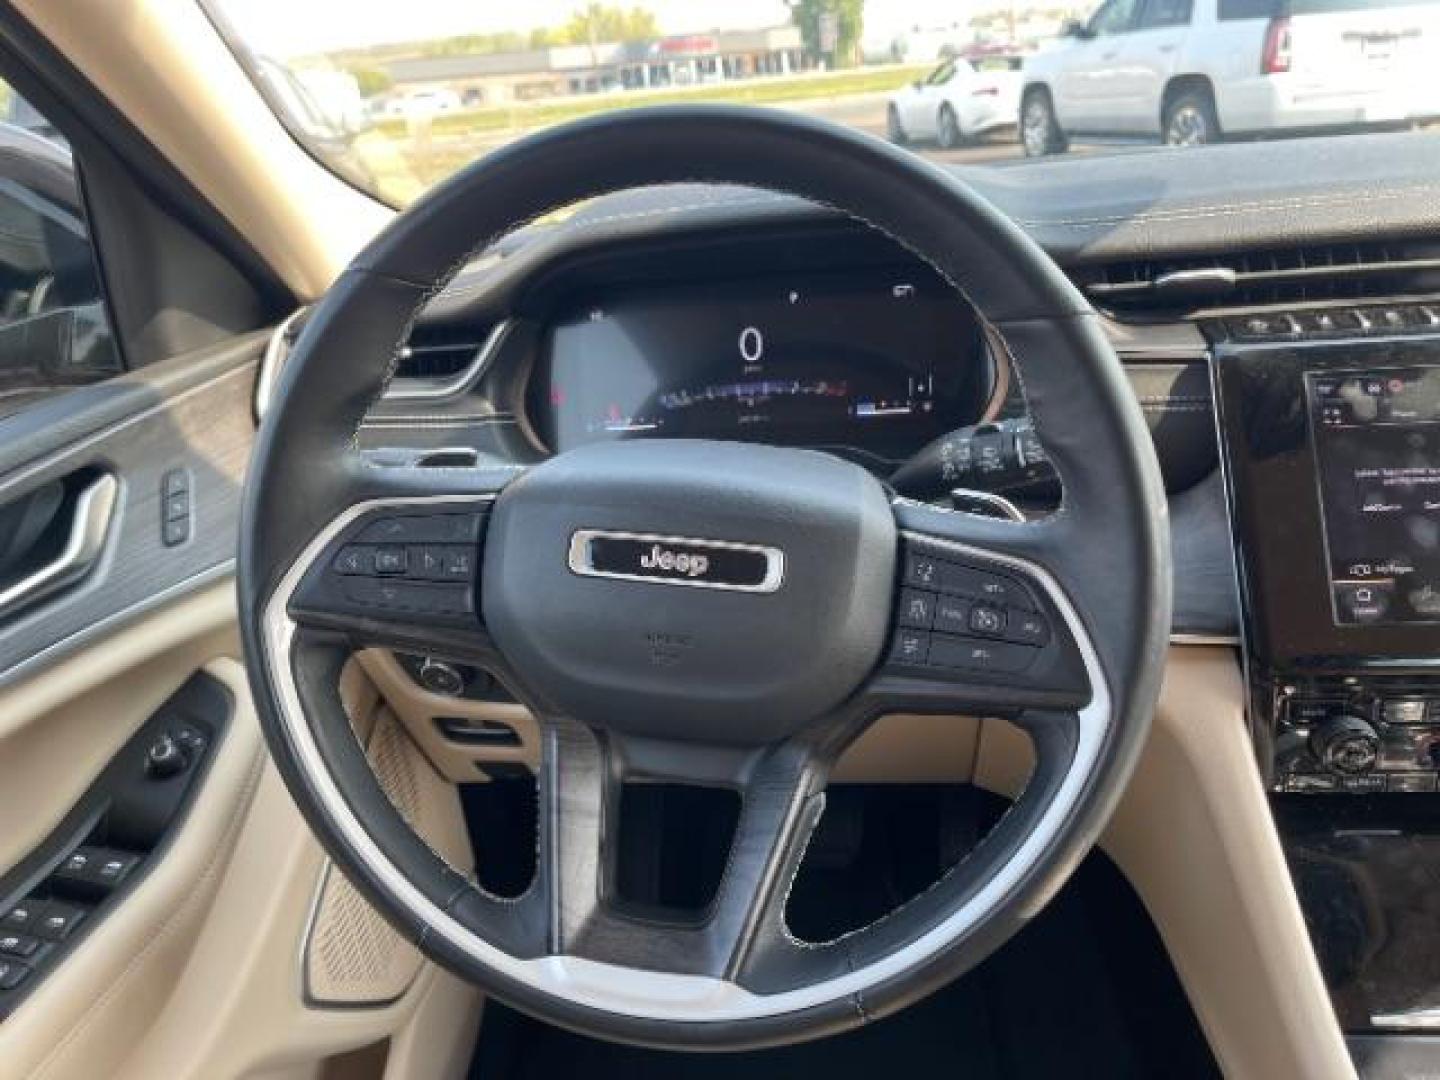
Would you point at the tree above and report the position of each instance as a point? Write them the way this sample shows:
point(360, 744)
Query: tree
point(371, 81)
point(849, 16)
point(596, 22)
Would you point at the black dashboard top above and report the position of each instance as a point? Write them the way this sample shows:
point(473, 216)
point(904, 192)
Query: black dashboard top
point(1142, 203)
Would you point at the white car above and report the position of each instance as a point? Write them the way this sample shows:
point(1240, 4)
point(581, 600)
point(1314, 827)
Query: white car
point(423, 103)
point(957, 101)
point(1195, 71)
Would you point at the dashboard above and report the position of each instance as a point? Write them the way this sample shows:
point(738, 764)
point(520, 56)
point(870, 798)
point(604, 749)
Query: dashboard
point(878, 361)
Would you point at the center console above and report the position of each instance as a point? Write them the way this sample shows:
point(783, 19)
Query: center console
point(1332, 451)
point(1330, 433)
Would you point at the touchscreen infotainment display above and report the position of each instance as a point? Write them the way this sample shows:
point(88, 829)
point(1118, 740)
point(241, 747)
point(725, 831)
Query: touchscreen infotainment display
point(1376, 435)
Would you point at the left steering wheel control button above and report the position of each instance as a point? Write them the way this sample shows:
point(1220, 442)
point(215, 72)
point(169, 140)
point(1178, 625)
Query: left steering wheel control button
point(424, 529)
point(355, 559)
point(420, 598)
point(391, 561)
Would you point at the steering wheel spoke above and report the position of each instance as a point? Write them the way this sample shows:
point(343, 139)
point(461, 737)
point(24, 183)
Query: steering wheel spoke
point(592, 916)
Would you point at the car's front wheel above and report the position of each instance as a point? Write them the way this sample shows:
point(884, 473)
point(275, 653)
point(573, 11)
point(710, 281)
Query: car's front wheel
point(1190, 120)
point(948, 132)
point(1040, 132)
point(895, 128)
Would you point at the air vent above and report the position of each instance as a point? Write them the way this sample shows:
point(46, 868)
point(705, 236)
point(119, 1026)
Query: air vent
point(442, 360)
point(1183, 286)
point(432, 365)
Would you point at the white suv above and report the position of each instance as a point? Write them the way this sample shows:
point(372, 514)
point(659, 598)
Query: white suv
point(1192, 71)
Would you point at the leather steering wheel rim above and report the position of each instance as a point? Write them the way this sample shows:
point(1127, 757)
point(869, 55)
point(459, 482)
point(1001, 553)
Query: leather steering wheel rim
point(1098, 569)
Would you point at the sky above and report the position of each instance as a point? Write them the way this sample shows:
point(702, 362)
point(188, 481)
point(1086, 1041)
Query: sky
point(294, 27)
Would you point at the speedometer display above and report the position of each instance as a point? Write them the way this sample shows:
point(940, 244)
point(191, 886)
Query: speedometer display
point(880, 362)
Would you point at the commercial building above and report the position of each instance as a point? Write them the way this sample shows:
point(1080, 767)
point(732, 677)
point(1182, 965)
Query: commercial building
point(681, 60)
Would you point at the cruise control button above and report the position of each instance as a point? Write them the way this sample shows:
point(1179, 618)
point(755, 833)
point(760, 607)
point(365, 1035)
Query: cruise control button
point(910, 647)
point(424, 529)
point(1027, 628)
point(974, 654)
point(917, 609)
point(922, 572)
point(952, 615)
point(982, 585)
point(987, 620)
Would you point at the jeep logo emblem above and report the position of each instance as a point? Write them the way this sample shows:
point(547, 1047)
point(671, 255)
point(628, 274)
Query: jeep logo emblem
point(658, 558)
point(676, 560)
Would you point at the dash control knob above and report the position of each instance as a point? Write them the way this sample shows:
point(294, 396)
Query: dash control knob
point(1346, 744)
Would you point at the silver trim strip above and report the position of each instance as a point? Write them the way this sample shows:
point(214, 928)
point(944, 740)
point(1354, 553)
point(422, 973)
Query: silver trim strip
point(270, 364)
point(654, 995)
point(581, 560)
point(1007, 509)
point(1416, 1020)
point(94, 507)
point(1182, 638)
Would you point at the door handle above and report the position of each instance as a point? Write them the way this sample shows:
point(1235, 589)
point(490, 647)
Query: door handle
point(94, 507)
point(1110, 55)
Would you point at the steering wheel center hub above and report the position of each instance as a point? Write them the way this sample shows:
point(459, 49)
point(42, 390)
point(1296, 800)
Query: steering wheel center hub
point(718, 592)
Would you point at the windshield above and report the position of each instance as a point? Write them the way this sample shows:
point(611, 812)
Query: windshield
point(396, 96)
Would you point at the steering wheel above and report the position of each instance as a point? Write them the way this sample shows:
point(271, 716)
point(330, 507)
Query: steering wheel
point(706, 613)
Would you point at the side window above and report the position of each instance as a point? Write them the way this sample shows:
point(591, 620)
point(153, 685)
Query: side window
point(1249, 9)
point(53, 327)
point(1115, 17)
point(1159, 13)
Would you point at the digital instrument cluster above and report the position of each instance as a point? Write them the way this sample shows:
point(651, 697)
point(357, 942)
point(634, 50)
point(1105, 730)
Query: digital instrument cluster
point(877, 362)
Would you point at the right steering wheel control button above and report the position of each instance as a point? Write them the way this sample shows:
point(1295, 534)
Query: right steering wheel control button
point(974, 654)
point(911, 647)
point(1027, 628)
point(917, 609)
point(987, 620)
